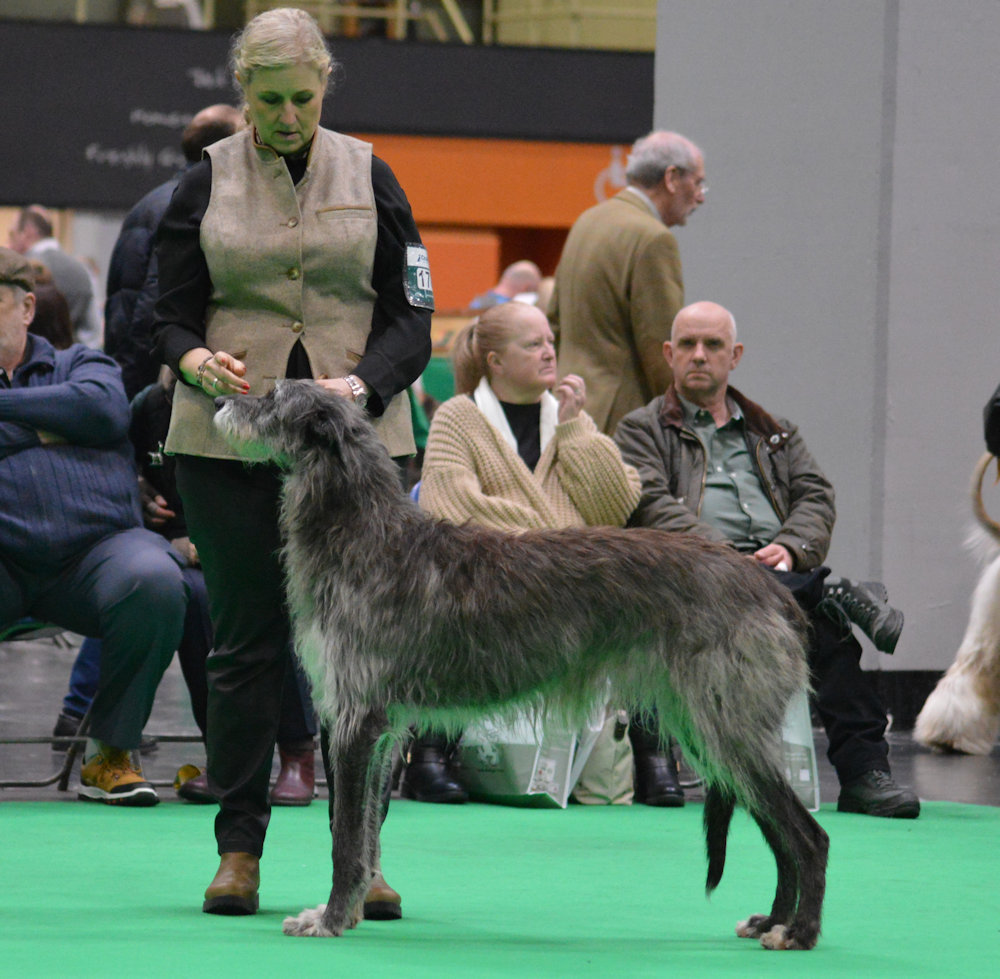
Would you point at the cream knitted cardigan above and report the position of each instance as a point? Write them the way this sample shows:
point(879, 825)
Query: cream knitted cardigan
point(470, 473)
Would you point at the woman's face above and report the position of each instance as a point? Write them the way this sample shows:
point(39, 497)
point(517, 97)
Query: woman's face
point(523, 370)
point(285, 105)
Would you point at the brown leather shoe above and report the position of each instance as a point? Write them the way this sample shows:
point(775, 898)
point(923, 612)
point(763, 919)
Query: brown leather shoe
point(296, 782)
point(234, 889)
point(382, 903)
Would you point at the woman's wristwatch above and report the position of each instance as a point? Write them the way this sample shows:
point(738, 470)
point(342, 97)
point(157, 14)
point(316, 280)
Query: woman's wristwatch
point(357, 390)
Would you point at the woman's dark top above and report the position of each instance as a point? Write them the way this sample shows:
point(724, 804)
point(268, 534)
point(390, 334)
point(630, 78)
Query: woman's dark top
point(398, 344)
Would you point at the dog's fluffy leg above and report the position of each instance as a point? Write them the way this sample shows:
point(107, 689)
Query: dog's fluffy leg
point(963, 711)
point(800, 848)
point(352, 746)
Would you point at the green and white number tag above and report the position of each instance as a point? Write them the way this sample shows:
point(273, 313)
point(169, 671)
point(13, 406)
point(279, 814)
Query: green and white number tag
point(417, 280)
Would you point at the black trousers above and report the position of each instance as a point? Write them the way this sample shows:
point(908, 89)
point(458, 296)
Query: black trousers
point(851, 712)
point(232, 516)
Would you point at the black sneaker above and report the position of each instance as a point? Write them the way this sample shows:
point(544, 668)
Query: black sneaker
point(876, 794)
point(68, 724)
point(866, 604)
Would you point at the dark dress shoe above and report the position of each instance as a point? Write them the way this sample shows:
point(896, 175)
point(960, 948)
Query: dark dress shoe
point(234, 888)
point(382, 903)
point(427, 777)
point(191, 785)
point(656, 777)
point(296, 782)
point(66, 727)
point(656, 782)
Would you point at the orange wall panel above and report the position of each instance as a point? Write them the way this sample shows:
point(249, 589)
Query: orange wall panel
point(464, 263)
point(501, 182)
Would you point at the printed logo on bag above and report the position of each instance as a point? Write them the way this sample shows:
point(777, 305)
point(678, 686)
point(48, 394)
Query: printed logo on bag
point(417, 278)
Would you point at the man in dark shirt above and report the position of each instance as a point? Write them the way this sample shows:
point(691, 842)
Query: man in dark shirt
point(72, 547)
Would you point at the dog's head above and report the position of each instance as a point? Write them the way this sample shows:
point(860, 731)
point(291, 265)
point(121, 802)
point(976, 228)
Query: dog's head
point(283, 425)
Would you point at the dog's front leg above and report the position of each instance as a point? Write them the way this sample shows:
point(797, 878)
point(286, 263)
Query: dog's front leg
point(351, 749)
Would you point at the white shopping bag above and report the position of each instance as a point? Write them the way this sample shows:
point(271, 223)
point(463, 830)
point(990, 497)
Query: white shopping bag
point(800, 751)
point(527, 761)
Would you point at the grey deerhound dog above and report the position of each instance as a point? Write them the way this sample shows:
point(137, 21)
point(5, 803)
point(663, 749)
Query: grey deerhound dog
point(402, 619)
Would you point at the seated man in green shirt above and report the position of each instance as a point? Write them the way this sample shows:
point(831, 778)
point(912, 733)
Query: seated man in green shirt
point(714, 463)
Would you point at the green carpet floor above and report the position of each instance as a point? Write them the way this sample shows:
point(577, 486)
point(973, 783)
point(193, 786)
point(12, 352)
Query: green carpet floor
point(490, 891)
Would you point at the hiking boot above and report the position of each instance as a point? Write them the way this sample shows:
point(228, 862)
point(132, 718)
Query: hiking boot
point(876, 794)
point(866, 604)
point(111, 777)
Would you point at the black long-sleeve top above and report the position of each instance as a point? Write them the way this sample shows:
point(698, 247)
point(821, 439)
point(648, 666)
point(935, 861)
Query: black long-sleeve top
point(399, 344)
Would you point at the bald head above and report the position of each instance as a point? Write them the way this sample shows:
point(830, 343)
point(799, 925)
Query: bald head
point(208, 126)
point(706, 312)
point(523, 276)
point(702, 351)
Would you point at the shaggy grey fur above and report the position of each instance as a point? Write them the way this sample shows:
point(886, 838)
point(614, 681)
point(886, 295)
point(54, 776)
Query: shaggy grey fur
point(400, 619)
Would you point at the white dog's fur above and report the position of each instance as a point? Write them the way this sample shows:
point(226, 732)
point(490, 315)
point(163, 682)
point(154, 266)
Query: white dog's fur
point(962, 714)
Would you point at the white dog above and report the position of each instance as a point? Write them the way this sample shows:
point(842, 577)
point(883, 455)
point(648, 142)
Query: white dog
point(962, 714)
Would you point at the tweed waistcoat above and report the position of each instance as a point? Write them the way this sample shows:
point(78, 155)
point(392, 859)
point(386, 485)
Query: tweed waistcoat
point(287, 262)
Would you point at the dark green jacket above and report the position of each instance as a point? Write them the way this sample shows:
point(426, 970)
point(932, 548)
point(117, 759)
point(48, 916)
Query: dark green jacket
point(672, 465)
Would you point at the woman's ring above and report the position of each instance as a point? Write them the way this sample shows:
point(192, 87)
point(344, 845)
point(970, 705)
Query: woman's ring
point(215, 384)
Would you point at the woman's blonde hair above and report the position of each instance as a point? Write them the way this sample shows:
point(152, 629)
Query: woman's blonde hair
point(490, 332)
point(276, 39)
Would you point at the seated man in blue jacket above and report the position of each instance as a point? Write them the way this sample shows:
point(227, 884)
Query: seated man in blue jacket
point(714, 463)
point(72, 547)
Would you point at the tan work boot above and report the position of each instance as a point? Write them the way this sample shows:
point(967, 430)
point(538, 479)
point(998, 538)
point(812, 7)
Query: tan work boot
point(234, 889)
point(111, 777)
point(382, 903)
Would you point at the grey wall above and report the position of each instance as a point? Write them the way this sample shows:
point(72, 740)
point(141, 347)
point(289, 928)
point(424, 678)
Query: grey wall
point(853, 227)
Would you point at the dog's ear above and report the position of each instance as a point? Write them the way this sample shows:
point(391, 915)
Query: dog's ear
point(323, 422)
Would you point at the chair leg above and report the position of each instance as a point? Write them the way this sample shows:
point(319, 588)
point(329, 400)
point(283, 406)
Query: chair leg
point(76, 747)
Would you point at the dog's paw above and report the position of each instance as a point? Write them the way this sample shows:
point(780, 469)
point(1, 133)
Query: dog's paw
point(309, 924)
point(755, 926)
point(788, 938)
point(798, 936)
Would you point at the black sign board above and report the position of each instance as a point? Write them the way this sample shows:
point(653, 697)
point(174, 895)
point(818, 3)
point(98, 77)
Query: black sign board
point(92, 115)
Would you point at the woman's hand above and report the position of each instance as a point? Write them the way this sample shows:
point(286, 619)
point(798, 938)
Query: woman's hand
point(339, 386)
point(571, 393)
point(216, 373)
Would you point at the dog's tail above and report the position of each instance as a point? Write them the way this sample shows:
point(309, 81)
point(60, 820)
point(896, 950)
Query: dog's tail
point(978, 508)
point(719, 806)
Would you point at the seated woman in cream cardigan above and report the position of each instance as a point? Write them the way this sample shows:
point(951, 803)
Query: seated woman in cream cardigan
point(513, 450)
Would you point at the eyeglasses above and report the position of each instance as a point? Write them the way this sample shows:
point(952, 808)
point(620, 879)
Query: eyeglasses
point(699, 183)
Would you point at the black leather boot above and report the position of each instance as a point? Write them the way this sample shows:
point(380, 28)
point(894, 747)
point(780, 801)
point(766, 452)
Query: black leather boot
point(428, 777)
point(656, 774)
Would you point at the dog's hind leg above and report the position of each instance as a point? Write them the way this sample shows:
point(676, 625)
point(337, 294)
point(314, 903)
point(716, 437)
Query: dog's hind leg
point(355, 810)
point(800, 848)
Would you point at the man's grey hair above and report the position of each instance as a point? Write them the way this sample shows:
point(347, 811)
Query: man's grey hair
point(654, 153)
